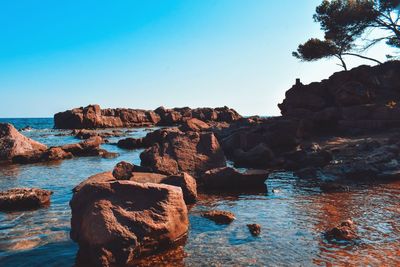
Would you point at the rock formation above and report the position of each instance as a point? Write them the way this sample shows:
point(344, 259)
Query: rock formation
point(116, 222)
point(19, 199)
point(93, 116)
point(189, 152)
point(13, 143)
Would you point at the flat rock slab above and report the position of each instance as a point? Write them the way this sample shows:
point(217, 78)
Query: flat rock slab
point(19, 199)
point(219, 216)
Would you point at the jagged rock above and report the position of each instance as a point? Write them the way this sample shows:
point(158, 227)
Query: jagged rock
point(131, 143)
point(13, 143)
point(229, 179)
point(93, 116)
point(219, 216)
point(116, 222)
point(189, 152)
point(19, 199)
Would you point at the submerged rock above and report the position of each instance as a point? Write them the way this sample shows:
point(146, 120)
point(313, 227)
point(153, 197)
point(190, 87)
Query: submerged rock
point(189, 152)
point(13, 143)
point(19, 199)
point(117, 222)
point(345, 231)
point(255, 229)
point(219, 216)
point(229, 179)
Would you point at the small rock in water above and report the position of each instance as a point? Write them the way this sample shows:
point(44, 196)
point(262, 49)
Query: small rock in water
point(345, 231)
point(123, 171)
point(255, 229)
point(24, 199)
point(219, 216)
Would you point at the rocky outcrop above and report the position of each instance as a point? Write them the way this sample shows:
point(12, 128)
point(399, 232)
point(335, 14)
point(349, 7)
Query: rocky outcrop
point(189, 152)
point(194, 125)
point(90, 147)
point(93, 116)
point(116, 222)
point(187, 183)
point(13, 143)
point(219, 216)
point(228, 179)
point(19, 199)
point(362, 98)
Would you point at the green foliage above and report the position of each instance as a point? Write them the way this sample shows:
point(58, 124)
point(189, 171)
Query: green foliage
point(346, 21)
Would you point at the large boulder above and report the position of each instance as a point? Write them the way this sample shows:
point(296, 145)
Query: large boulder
point(189, 152)
point(187, 183)
point(13, 143)
point(194, 125)
point(116, 222)
point(19, 199)
point(229, 179)
point(51, 154)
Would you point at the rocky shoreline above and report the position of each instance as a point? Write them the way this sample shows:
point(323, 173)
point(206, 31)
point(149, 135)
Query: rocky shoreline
point(336, 131)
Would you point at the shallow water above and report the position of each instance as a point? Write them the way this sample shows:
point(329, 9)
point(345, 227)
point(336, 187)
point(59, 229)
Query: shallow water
point(293, 215)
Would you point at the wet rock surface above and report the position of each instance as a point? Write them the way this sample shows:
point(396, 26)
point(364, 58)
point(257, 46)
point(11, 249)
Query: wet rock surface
point(345, 231)
point(19, 199)
point(255, 229)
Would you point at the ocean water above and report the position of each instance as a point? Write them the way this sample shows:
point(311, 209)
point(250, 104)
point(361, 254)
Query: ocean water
point(293, 214)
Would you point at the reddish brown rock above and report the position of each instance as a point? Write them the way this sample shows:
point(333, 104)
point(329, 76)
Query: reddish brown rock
point(123, 171)
point(189, 152)
point(194, 125)
point(130, 143)
point(93, 116)
point(51, 154)
point(19, 199)
point(219, 216)
point(13, 143)
point(187, 183)
point(255, 229)
point(116, 222)
point(228, 179)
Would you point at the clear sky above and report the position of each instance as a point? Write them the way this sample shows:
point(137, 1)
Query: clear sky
point(56, 55)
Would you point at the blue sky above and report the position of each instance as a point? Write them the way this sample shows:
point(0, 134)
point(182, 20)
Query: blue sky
point(56, 55)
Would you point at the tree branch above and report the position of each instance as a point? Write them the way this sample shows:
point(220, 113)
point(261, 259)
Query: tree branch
point(360, 56)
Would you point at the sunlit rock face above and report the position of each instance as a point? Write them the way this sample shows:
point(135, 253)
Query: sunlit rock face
point(13, 143)
point(364, 97)
point(93, 116)
point(116, 222)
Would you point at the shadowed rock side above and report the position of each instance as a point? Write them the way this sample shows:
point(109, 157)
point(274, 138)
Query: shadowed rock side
point(13, 143)
point(19, 199)
point(93, 116)
point(364, 98)
point(116, 222)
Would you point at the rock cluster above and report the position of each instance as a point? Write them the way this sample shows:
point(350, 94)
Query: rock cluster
point(93, 116)
point(176, 151)
point(362, 98)
point(90, 147)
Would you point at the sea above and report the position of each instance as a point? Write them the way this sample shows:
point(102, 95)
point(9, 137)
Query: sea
point(293, 214)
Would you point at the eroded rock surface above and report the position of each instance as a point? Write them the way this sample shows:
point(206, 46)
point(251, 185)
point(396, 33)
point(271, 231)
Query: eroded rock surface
point(19, 199)
point(117, 222)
